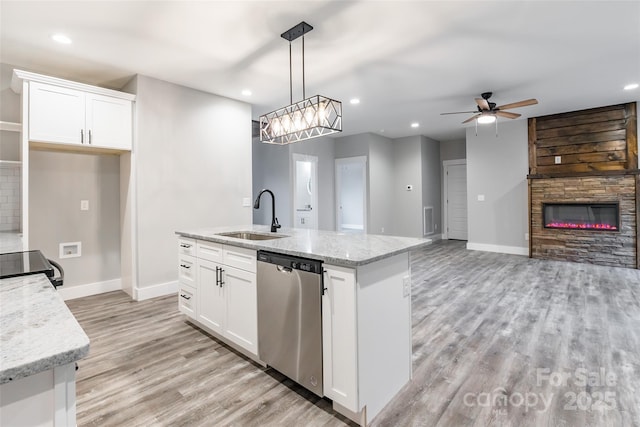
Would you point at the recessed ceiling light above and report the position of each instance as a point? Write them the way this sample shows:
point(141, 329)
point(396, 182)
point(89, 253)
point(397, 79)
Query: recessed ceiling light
point(415, 124)
point(631, 86)
point(246, 92)
point(486, 118)
point(355, 101)
point(61, 38)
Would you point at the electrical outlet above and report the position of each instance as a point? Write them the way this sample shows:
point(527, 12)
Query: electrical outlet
point(246, 202)
point(406, 286)
point(84, 205)
point(481, 197)
point(558, 160)
point(526, 236)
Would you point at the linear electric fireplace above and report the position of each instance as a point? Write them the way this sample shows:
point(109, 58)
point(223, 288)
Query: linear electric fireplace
point(581, 216)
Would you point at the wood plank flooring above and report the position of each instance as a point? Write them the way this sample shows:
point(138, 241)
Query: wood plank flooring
point(498, 340)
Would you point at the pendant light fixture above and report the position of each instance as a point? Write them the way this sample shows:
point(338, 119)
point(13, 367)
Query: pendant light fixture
point(312, 117)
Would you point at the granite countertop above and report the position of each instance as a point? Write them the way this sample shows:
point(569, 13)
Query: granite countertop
point(346, 249)
point(37, 330)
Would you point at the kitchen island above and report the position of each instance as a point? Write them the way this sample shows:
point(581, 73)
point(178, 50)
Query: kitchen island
point(40, 341)
point(366, 303)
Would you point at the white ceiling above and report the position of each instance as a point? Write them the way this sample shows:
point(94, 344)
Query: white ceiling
point(406, 60)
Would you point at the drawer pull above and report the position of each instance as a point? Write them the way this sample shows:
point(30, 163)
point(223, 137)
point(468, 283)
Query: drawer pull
point(185, 296)
point(185, 245)
point(185, 266)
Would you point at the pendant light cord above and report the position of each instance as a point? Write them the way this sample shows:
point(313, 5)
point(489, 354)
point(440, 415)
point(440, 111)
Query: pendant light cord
point(304, 96)
point(290, 77)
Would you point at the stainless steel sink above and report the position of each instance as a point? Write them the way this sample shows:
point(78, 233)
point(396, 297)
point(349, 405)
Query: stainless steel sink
point(248, 235)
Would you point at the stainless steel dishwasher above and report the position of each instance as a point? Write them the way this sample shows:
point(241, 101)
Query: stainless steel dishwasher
point(290, 317)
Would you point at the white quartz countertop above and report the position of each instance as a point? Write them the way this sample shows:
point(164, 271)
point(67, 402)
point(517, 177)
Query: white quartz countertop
point(346, 249)
point(37, 330)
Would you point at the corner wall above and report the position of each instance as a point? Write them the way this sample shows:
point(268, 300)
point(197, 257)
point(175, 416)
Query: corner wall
point(497, 169)
point(192, 170)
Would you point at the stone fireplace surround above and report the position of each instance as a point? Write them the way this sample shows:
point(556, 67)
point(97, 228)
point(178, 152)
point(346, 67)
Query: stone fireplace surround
point(614, 248)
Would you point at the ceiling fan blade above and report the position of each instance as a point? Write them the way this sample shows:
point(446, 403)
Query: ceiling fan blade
point(524, 103)
point(508, 114)
point(472, 118)
point(459, 112)
point(483, 104)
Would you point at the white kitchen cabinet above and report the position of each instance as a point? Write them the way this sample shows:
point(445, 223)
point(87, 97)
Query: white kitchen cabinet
point(187, 300)
point(242, 322)
point(339, 337)
point(212, 299)
point(68, 115)
point(223, 281)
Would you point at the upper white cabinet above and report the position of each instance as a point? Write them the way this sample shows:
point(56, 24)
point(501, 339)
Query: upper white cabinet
point(74, 115)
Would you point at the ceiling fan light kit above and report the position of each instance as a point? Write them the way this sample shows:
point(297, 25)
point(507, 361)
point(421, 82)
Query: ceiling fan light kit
point(487, 112)
point(312, 117)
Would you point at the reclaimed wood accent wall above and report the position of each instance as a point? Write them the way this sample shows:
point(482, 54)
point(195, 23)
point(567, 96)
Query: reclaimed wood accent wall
point(584, 142)
point(614, 248)
point(591, 156)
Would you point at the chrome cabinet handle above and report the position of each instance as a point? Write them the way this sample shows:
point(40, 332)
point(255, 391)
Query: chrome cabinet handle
point(185, 296)
point(221, 277)
point(217, 276)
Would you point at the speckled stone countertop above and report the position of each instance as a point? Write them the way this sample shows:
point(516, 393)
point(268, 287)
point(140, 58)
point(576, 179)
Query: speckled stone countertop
point(37, 330)
point(346, 249)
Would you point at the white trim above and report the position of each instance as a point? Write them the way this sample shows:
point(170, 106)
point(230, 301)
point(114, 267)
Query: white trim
point(73, 292)
point(445, 187)
point(154, 291)
point(513, 250)
point(21, 75)
point(10, 126)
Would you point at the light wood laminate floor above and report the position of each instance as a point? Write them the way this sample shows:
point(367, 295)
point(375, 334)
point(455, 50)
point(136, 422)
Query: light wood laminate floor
point(498, 340)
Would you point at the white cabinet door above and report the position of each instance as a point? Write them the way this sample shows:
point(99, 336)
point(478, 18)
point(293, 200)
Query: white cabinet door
point(211, 296)
point(339, 337)
point(56, 114)
point(108, 121)
point(242, 323)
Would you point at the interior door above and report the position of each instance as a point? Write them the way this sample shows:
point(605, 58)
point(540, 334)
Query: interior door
point(456, 200)
point(305, 191)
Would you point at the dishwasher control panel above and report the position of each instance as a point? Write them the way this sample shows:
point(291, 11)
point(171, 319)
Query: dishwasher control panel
point(292, 262)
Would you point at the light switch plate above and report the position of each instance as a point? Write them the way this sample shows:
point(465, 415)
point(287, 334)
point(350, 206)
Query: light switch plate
point(84, 205)
point(558, 160)
point(481, 197)
point(246, 201)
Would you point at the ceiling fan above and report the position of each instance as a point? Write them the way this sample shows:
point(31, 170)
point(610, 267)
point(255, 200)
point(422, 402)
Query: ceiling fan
point(487, 111)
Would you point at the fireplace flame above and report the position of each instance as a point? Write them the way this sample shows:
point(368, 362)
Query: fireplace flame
point(583, 226)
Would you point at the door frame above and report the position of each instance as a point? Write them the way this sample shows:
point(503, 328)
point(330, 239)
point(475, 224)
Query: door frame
point(445, 205)
point(338, 181)
point(296, 157)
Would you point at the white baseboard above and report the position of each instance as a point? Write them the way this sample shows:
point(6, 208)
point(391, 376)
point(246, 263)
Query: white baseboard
point(513, 250)
point(79, 291)
point(160, 290)
point(434, 237)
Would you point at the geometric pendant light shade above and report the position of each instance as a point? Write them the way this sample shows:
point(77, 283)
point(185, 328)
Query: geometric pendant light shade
point(312, 117)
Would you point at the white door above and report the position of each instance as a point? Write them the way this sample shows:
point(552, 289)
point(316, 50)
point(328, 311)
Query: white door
point(212, 302)
point(242, 323)
point(109, 121)
point(351, 194)
point(456, 200)
point(56, 114)
point(305, 191)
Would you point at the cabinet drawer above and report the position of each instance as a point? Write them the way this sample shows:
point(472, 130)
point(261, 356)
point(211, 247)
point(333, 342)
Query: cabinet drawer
point(209, 251)
point(242, 258)
point(187, 300)
point(187, 269)
point(186, 246)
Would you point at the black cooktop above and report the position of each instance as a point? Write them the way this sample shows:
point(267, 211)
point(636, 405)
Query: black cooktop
point(15, 264)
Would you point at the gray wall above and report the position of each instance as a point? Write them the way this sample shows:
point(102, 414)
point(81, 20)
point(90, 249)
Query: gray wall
point(453, 150)
point(58, 181)
point(272, 169)
point(381, 182)
point(497, 168)
point(192, 169)
point(407, 205)
point(432, 180)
